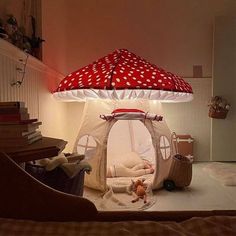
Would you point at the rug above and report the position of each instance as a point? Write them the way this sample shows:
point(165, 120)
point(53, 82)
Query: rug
point(225, 173)
point(117, 198)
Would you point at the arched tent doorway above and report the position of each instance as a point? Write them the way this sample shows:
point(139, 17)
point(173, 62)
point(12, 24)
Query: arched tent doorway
point(96, 131)
point(130, 149)
point(130, 136)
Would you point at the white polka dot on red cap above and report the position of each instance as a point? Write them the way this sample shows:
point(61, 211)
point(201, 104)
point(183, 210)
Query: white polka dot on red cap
point(129, 70)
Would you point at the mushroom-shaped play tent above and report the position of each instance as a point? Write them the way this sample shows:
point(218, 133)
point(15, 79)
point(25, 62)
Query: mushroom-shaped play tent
point(122, 80)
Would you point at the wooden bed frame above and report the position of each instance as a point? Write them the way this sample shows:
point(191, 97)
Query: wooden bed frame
point(24, 197)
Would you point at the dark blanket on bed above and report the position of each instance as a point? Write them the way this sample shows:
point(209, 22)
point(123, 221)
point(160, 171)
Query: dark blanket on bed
point(196, 226)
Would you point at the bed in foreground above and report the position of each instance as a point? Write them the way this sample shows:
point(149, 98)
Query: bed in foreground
point(215, 225)
point(28, 207)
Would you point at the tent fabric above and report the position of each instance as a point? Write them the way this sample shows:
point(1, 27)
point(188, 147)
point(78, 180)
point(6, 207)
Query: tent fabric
point(82, 95)
point(123, 75)
point(99, 130)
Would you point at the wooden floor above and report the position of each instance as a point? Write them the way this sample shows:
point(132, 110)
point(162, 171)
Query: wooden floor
point(204, 193)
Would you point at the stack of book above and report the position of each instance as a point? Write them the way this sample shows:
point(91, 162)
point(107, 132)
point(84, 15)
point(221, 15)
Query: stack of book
point(16, 127)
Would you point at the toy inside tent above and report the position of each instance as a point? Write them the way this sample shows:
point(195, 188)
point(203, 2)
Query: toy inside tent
point(94, 137)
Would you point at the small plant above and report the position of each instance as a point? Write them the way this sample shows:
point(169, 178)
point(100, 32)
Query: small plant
point(12, 30)
point(218, 107)
point(16, 35)
point(12, 20)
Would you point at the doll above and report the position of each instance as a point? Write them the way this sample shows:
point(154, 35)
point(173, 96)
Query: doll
point(139, 190)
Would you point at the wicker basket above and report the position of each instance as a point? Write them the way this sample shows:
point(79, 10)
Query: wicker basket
point(58, 179)
point(180, 171)
point(217, 113)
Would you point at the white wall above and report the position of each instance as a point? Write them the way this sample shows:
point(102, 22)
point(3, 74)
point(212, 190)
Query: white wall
point(192, 117)
point(172, 34)
point(54, 24)
point(74, 115)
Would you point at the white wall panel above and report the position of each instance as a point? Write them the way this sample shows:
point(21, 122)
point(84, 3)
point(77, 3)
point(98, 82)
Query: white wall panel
point(192, 117)
point(27, 92)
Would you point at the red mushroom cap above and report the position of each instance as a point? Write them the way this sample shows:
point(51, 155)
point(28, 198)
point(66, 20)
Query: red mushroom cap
point(123, 75)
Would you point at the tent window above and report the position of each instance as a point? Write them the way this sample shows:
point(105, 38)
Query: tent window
point(87, 146)
point(165, 147)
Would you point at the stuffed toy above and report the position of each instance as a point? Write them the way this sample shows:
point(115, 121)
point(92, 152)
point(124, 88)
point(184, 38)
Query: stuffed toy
point(139, 190)
point(68, 162)
point(53, 162)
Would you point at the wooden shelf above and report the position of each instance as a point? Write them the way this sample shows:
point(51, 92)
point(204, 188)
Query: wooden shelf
point(46, 147)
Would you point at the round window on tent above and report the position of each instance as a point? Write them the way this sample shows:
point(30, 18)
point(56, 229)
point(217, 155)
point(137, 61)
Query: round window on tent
point(87, 145)
point(165, 147)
